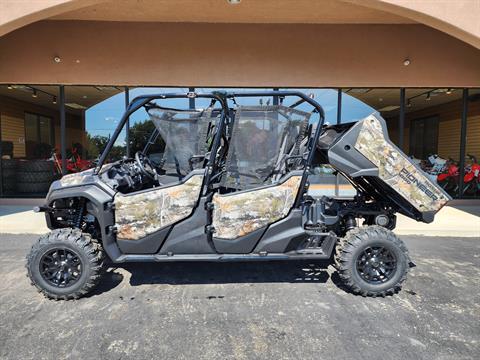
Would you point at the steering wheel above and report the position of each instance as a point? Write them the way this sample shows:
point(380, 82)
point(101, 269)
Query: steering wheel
point(145, 165)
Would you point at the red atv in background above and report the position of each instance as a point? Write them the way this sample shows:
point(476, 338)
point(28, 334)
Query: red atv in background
point(471, 179)
point(449, 179)
point(75, 163)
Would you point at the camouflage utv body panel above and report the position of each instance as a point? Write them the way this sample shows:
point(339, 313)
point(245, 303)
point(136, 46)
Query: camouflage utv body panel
point(242, 213)
point(139, 215)
point(77, 178)
point(396, 170)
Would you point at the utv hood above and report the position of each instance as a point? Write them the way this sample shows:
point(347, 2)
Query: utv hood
point(81, 178)
point(367, 156)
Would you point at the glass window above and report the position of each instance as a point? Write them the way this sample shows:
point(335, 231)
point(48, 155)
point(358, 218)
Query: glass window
point(259, 100)
point(38, 136)
point(358, 103)
point(28, 121)
point(323, 179)
point(92, 115)
point(432, 133)
point(141, 126)
point(327, 98)
point(472, 168)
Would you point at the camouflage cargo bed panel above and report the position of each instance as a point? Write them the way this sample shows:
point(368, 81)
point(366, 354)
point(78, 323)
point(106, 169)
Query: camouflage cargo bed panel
point(396, 169)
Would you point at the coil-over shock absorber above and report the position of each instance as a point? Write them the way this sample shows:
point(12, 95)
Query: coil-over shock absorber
point(350, 222)
point(80, 210)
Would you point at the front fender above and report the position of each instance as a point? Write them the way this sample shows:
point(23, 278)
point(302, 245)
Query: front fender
point(99, 196)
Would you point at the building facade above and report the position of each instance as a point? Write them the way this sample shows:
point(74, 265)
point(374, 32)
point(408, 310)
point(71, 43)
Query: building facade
point(68, 67)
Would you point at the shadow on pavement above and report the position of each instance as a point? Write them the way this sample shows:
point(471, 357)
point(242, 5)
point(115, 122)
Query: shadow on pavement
point(186, 273)
point(473, 210)
point(14, 209)
point(110, 280)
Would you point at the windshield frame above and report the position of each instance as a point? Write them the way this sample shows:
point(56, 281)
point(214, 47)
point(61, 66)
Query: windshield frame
point(143, 100)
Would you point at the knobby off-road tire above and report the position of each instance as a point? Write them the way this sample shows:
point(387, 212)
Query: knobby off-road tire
point(36, 166)
point(32, 187)
point(35, 177)
point(76, 248)
point(365, 242)
point(9, 164)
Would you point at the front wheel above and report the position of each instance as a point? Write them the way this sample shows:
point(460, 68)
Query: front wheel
point(372, 261)
point(65, 264)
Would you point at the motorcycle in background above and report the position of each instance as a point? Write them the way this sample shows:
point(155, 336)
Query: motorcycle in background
point(449, 179)
point(471, 179)
point(74, 163)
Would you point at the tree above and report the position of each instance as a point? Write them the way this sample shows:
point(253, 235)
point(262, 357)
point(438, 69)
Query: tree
point(139, 135)
point(97, 143)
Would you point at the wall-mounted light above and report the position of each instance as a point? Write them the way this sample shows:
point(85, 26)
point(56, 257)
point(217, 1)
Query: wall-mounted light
point(406, 62)
point(54, 100)
point(448, 92)
point(234, 2)
point(9, 87)
point(34, 93)
point(409, 103)
point(428, 98)
point(57, 59)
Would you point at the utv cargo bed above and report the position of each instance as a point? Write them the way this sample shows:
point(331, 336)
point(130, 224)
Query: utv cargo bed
point(364, 152)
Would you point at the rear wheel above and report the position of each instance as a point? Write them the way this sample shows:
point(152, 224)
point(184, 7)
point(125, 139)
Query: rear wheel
point(372, 261)
point(65, 264)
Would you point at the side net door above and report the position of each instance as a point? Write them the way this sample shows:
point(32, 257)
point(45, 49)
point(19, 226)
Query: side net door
point(180, 146)
point(262, 177)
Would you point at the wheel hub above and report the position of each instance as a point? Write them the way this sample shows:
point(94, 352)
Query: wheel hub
point(376, 264)
point(61, 267)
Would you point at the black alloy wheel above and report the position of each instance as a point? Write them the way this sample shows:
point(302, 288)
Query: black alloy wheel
point(376, 264)
point(372, 261)
point(65, 264)
point(61, 267)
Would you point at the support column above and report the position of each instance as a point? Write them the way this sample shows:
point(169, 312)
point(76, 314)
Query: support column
point(401, 120)
point(63, 140)
point(127, 123)
point(275, 98)
point(339, 121)
point(1, 157)
point(463, 141)
point(191, 101)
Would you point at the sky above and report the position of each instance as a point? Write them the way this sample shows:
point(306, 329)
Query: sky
point(103, 118)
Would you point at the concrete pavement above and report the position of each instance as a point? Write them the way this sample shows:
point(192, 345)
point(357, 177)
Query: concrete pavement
point(458, 220)
point(276, 310)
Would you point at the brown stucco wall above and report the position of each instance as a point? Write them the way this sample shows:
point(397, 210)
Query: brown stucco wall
point(188, 54)
point(458, 18)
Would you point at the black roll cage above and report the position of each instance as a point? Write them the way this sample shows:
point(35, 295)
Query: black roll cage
point(222, 97)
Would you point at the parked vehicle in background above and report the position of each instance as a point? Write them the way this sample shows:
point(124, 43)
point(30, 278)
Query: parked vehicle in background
point(75, 163)
point(472, 177)
point(449, 179)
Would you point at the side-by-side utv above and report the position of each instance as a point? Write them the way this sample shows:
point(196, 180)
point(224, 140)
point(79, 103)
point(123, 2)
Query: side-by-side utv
point(230, 182)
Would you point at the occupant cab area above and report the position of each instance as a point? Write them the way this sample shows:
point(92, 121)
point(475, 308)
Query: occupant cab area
point(212, 181)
